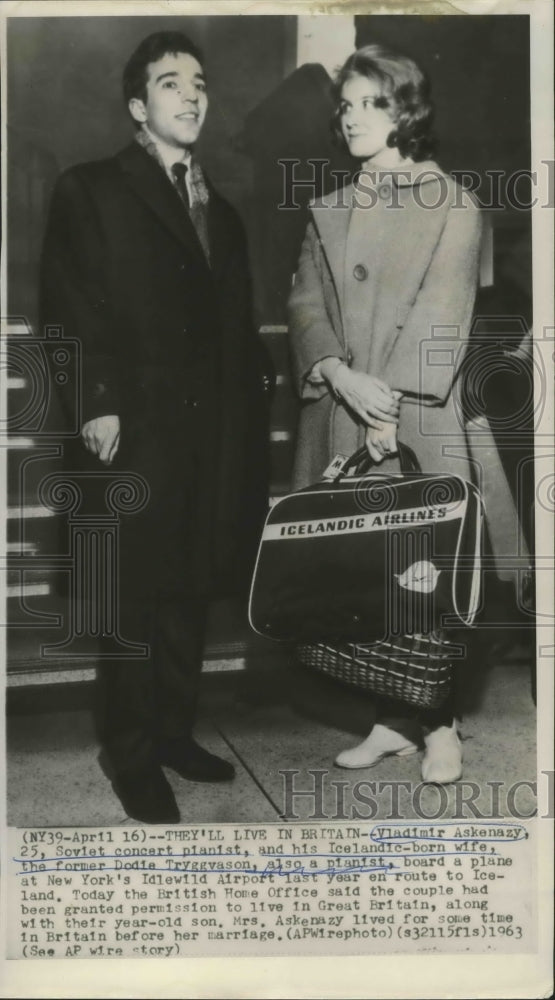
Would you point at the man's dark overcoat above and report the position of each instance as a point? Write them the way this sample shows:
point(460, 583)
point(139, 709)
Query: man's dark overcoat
point(168, 346)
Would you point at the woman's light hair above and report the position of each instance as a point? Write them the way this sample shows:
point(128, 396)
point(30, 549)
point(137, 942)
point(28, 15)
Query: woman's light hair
point(405, 93)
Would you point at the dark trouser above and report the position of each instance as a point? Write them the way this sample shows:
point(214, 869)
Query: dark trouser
point(146, 704)
point(430, 718)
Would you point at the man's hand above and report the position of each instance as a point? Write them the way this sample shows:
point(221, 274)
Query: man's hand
point(370, 398)
point(381, 442)
point(101, 437)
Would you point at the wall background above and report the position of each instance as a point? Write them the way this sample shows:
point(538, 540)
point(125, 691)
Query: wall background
point(65, 106)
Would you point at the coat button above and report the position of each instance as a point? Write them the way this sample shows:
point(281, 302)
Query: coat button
point(384, 191)
point(360, 272)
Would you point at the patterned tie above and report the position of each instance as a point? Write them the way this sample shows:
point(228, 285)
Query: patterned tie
point(195, 206)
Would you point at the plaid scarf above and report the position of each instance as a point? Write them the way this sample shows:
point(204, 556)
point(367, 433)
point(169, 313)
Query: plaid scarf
point(199, 193)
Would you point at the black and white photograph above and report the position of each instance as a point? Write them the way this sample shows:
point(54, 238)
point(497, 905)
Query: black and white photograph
point(277, 361)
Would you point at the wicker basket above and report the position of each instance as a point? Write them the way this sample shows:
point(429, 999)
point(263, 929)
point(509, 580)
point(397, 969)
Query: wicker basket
point(411, 668)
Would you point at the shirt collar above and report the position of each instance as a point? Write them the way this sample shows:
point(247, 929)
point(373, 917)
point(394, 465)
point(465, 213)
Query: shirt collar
point(167, 154)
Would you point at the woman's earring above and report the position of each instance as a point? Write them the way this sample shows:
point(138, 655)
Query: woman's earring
point(393, 138)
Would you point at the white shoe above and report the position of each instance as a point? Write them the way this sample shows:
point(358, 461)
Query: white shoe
point(442, 761)
point(382, 742)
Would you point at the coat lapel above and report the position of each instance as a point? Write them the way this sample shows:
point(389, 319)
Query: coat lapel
point(332, 215)
point(149, 182)
point(218, 233)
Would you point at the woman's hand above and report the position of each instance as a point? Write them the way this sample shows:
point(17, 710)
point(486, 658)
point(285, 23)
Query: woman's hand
point(370, 398)
point(381, 442)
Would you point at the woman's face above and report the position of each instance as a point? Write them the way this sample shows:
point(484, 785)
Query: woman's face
point(366, 127)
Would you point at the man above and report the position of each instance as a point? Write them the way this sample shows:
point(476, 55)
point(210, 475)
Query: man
point(146, 265)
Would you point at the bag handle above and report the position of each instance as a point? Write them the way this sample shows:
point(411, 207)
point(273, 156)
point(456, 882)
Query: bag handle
point(360, 461)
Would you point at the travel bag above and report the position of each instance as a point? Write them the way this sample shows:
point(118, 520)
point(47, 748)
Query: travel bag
point(363, 555)
point(414, 669)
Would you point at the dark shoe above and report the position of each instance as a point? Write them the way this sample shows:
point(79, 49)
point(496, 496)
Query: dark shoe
point(146, 795)
point(196, 764)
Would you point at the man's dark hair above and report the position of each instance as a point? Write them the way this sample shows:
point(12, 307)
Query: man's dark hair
point(151, 49)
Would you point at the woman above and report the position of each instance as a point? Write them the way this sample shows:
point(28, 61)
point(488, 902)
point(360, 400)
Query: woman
point(379, 315)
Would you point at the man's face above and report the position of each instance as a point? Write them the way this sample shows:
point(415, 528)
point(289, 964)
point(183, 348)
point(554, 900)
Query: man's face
point(176, 101)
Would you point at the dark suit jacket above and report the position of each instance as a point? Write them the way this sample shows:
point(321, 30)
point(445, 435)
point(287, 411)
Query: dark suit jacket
point(168, 345)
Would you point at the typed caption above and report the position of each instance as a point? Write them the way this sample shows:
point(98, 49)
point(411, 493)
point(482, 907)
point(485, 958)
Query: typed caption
point(145, 892)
